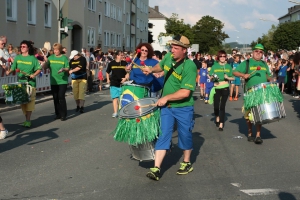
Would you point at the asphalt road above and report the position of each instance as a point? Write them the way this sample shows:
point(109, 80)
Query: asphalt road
point(79, 159)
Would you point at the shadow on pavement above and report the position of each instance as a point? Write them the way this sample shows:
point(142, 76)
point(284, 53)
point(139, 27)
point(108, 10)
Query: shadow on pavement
point(296, 106)
point(265, 133)
point(29, 139)
point(286, 196)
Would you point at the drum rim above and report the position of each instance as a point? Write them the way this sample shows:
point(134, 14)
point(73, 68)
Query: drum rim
point(136, 85)
point(126, 116)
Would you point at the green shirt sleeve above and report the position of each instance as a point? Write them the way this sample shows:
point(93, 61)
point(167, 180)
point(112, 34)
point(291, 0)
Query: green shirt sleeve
point(189, 76)
point(163, 61)
point(241, 67)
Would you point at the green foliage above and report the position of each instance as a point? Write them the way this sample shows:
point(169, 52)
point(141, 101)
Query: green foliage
point(287, 36)
point(207, 32)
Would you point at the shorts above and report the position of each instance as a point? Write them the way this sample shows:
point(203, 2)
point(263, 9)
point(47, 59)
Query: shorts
point(185, 124)
point(202, 85)
point(79, 88)
point(29, 107)
point(281, 79)
point(236, 81)
point(115, 92)
point(100, 83)
point(207, 90)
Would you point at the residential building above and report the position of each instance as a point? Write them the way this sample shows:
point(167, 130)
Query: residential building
point(158, 21)
point(110, 24)
point(292, 15)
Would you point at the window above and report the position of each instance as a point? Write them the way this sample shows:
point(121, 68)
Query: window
point(47, 14)
point(11, 10)
point(31, 14)
point(92, 5)
point(100, 24)
point(106, 38)
point(118, 40)
point(112, 39)
point(127, 41)
point(107, 8)
point(127, 18)
point(138, 23)
point(120, 15)
point(91, 36)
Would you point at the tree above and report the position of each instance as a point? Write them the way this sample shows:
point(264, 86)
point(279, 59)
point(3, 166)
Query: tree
point(175, 26)
point(208, 33)
point(287, 35)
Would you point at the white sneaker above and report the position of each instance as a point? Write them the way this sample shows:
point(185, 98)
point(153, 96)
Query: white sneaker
point(114, 115)
point(297, 97)
point(3, 134)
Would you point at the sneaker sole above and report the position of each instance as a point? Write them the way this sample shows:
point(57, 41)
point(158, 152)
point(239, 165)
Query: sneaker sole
point(152, 176)
point(184, 173)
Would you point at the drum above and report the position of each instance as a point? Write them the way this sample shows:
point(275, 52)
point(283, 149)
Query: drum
point(16, 93)
point(143, 152)
point(139, 122)
point(265, 103)
point(131, 92)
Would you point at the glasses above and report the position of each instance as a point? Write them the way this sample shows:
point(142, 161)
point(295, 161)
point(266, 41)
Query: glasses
point(144, 50)
point(257, 51)
point(23, 46)
point(2, 43)
point(222, 56)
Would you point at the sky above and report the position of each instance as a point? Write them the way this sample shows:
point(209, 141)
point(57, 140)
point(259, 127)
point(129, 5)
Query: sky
point(241, 17)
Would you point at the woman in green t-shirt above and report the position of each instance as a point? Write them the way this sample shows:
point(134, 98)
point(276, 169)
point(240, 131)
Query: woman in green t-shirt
point(221, 86)
point(29, 68)
point(59, 73)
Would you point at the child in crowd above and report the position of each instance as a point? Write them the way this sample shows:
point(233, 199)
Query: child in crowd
point(202, 79)
point(282, 73)
point(209, 86)
point(294, 86)
point(100, 77)
point(237, 81)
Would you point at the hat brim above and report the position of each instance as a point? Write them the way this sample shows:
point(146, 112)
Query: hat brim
point(178, 43)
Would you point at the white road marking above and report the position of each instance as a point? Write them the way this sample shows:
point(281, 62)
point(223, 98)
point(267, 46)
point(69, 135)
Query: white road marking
point(259, 192)
point(236, 184)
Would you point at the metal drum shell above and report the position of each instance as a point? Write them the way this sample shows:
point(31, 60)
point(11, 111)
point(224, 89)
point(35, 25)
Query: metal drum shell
point(143, 152)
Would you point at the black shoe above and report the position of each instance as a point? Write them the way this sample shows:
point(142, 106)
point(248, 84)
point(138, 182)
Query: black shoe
point(220, 129)
point(77, 109)
point(63, 119)
point(81, 110)
point(154, 173)
point(185, 168)
point(250, 139)
point(258, 140)
point(217, 124)
point(57, 117)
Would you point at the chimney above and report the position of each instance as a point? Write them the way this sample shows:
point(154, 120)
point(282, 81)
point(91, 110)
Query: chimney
point(156, 8)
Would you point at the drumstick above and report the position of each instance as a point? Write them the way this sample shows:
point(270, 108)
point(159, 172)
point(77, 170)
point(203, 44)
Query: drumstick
point(18, 70)
point(42, 52)
point(144, 106)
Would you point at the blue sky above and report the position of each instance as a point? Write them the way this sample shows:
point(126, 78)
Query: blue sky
point(241, 17)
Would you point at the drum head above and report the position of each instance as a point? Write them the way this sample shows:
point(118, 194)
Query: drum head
point(135, 109)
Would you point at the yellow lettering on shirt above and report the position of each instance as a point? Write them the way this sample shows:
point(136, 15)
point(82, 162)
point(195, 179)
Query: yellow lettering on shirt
point(179, 77)
point(23, 62)
point(253, 68)
point(188, 85)
point(57, 62)
point(222, 70)
point(118, 67)
point(75, 62)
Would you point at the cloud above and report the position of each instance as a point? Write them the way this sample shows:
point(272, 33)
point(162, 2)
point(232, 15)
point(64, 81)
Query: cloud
point(248, 25)
point(258, 15)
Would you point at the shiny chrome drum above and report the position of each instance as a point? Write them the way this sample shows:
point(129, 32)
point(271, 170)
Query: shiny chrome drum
point(267, 113)
point(143, 152)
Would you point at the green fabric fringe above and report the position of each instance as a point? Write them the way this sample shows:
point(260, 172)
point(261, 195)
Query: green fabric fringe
point(269, 94)
point(138, 130)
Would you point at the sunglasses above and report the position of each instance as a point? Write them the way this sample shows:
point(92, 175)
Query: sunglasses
point(222, 56)
point(144, 50)
point(257, 51)
point(23, 46)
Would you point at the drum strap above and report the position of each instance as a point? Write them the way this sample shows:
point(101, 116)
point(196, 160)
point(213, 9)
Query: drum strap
point(171, 71)
point(247, 69)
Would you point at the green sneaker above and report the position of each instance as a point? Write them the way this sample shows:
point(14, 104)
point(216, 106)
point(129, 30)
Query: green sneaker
point(27, 124)
point(185, 168)
point(154, 173)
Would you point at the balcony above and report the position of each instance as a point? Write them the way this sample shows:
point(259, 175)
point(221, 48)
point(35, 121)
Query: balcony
point(132, 30)
point(133, 8)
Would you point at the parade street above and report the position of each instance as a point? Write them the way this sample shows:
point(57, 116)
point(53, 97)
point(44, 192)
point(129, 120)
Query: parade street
point(79, 159)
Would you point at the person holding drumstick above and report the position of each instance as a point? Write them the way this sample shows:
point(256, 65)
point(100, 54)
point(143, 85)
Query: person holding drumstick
point(253, 77)
point(29, 67)
point(177, 104)
point(59, 74)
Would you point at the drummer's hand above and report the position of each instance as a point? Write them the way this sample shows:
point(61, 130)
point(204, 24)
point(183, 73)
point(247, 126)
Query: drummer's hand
point(157, 75)
point(32, 76)
point(123, 80)
point(147, 70)
point(246, 76)
point(7, 72)
point(128, 67)
point(162, 101)
point(225, 76)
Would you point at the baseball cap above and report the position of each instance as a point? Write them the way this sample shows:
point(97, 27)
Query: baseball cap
point(73, 53)
point(259, 46)
point(180, 40)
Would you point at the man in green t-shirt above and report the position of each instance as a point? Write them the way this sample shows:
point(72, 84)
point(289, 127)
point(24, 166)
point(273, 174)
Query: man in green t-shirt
point(177, 104)
point(258, 72)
